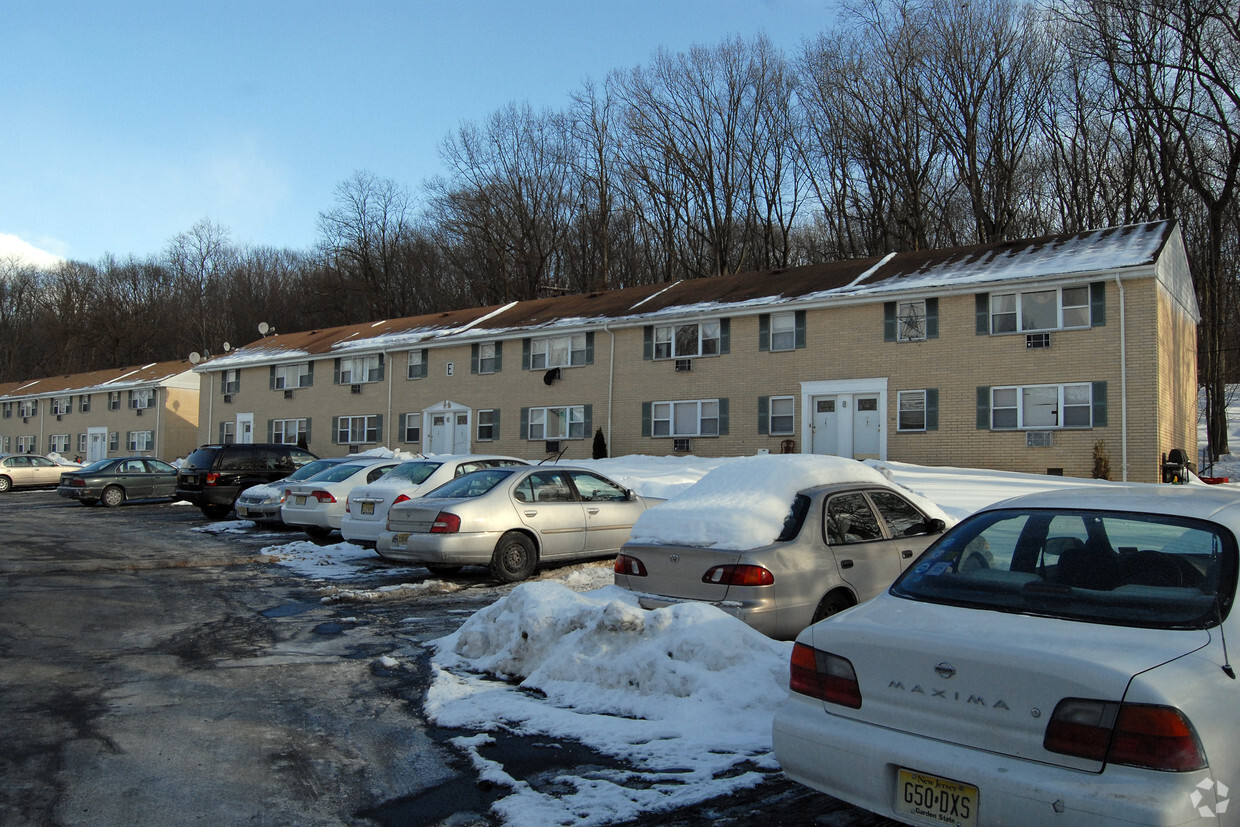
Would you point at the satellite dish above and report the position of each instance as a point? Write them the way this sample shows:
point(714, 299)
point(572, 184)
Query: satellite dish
point(263, 327)
point(195, 358)
point(227, 347)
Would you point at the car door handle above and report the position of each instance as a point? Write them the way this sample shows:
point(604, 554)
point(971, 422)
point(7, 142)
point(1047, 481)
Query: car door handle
point(591, 510)
point(846, 564)
point(531, 512)
point(906, 553)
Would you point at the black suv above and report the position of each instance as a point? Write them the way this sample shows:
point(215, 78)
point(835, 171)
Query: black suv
point(213, 476)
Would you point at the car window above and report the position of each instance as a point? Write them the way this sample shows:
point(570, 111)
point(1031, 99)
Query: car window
point(132, 466)
point(415, 472)
point(18, 462)
point(202, 458)
point(851, 520)
point(594, 488)
point(377, 472)
point(41, 462)
point(903, 519)
point(160, 467)
point(795, 519)
point(1109, 567)
point(237, 458)
point(550, 487)
point(472, 485)
point(297, 457)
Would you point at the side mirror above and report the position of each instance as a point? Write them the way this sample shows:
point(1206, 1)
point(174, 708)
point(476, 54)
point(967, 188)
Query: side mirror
point(936, 526)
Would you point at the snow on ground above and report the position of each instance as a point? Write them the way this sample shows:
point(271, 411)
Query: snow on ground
point(683, 696)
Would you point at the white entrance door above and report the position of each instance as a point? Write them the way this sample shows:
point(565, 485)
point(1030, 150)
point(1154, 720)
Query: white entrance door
point(449, 432)
point(847, 425)
point(867, 425)
point(245, 428)
point(826, 425)
point(96, 444)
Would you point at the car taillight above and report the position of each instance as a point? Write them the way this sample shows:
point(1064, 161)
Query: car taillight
point(402, 498)
point(739, 576)
point(1134, 735)
point(77, 481)
point(629, 565)
point(323, 497)
point(212, 478)
point(824, 676)
point(446, 523)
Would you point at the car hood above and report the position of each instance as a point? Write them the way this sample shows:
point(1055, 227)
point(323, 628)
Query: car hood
point(984, 679)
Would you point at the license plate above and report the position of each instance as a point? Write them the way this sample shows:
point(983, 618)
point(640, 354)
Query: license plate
point(368, 508)
point(400, 539)
point(301, 500)
point(933, 800)
point(241, 512)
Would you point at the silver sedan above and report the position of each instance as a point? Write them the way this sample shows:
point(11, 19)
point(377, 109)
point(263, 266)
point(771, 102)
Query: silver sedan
point(513, 520)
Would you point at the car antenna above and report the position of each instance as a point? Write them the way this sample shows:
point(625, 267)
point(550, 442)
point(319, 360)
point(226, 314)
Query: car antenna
point(1218, 614)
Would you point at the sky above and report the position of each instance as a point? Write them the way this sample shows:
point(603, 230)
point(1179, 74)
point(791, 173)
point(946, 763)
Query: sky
point(128, 122)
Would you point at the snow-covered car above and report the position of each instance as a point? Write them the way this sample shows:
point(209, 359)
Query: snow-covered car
point(316, 504)
point(1058, 658)
point(813, 536)
point(261, 503)
point(513, 520)
point(367, 507)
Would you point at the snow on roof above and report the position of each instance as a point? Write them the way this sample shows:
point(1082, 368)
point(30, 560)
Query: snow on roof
point(144, 376)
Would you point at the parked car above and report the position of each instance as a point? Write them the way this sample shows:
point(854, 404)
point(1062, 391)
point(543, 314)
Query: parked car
point(513, 520)
point(261, 503)
point(317, 504)
point(840, 544)
point(213, 476)
point(118, 479)
point(1059, 658)
point(29, 471)
point(367, 507)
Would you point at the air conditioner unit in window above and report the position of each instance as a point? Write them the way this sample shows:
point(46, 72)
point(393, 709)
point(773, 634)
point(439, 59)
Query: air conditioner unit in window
point(355, 389)
point(552, 446)
point(682, 444)
point(288, 394)
point(684, 365)
point(228, 397)
point(138, 412)
point(1039, 439)
point(59, 417)
point(353, 449)
point(1037, 341)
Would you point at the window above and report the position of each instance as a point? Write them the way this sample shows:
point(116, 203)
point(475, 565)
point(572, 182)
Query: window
point(488, 421)
point(683, 340)
point(783, 331)
point(114, 400)
point(356, 370)
point(486, 357)
point(698, 417)
point(84, 403)
point(6, 444)
point(561, 351)
point(1046, 406)
point(564, 422)
point(228, 432)
point(27, 407)
point(918, 410)
point(142, 398)
point(25, 444)
point(286, 377)
point(776, 415)
point(290, 431)
point(354, 430)
point(62, 405)
point(6, 410)
point(911, 321)
point(1039, 310)
point(411, 428)
point(141, 440)
point(58, 443)
point(114, 442)
point(82, 443)
point(417, 364)
point(851, 520)
point(230, 382)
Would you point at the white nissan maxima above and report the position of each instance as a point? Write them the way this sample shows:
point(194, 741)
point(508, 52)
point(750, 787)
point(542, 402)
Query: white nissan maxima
point(1058, 658)
point(316, 504)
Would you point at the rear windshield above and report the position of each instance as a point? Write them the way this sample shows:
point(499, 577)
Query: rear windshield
point(414, 472)
point(202, 458)
point(472, 485)
point(1117, 568)
point(310, 469)
point(338, 473)
point(98, 466)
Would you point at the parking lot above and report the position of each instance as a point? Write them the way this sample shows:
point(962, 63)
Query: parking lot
point(156, 670)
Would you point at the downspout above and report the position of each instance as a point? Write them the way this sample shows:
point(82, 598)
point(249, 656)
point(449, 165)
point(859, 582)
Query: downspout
point(611, 375)
point(1123, 380)
point(389, 369)
point(157, 443)
point(210, 408)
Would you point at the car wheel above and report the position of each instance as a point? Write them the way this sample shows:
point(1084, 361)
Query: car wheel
point(112, 496)
point(833, 603)
point(317, 531)
point(5, 484)
point(443, 570)
point(514, 558)
point(215, 512)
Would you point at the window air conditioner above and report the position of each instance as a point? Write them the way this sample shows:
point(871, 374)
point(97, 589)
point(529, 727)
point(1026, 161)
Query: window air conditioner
point(682, 444)
point(1037, 341)
point(288, 394)
point(228, 397)
point(684, 365)
point(138, 411)
point(1039, 439)
point(355, 388)
point(553, 446)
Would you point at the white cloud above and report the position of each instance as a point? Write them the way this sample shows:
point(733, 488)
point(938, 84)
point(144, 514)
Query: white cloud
point(26, 253)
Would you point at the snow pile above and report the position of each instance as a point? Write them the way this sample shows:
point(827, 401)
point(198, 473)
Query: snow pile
point(743, 503)
point(683, 695)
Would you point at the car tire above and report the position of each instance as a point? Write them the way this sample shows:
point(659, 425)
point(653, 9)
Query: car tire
point(514, 558)
point(445, 571)
point(833, 603)
point(5, 484)
point(112, 496)
point(317, 531)
point(216, 512)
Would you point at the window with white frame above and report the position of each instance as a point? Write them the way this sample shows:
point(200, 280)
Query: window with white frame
point(487, 357)
point(695, 417)
point(230, 382)
point(62, 405)
point(417, 364)
point(28, 407)
point(287, 377)
point(114, 400)
point(560, 422)
point(911, 320)
point(412, 428)
point(486, 425)
point(114, 441)
point(683, 340)
point(84, 403)
point(228, 432)
point(356, 430)
point(1040, 310)
point(289, 431)
point(782, 412)
point(141, 398)
point(1042, 406)
point(783, 331)
point(58, 443)
point(82, 443)
point(356, 370)
point(25, 444)
point(141, 440)
point(912, 413)
point(559, 351)
point(6, 444)
point(6, 410)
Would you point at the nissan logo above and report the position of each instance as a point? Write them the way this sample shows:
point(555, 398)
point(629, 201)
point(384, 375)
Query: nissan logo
point(675, 558)
point(945, 670)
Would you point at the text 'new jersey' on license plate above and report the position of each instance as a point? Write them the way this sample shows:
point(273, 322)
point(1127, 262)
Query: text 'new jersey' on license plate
point(368, 508)
point(935, 800)
point(301, 500)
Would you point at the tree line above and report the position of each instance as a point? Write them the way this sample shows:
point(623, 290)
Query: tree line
point(906, 125)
